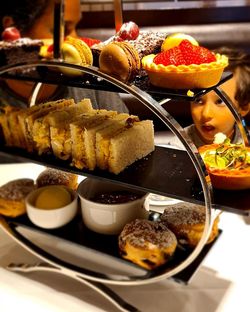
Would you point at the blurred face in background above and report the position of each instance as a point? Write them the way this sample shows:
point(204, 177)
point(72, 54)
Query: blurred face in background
point(211, 115)
point(44, 26)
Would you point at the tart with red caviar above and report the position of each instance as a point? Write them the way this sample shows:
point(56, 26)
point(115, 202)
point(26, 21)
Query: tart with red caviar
point(228, 165)
point(185, 66)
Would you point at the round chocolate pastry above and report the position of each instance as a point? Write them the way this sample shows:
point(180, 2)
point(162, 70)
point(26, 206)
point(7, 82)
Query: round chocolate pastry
point(187, 221)
point(147, 243)
point(52, 176)
point(12, 197)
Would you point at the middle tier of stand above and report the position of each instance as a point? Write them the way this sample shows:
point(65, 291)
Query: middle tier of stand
point(166, 171)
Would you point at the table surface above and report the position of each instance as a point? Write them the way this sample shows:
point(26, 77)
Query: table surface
point(220, 284)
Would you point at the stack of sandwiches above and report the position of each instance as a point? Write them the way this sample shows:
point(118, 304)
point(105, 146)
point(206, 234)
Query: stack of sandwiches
point(89, 138)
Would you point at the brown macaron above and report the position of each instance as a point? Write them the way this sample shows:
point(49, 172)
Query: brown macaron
point(120, 60)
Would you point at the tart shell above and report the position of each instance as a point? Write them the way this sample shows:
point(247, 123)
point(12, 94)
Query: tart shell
point(227, 179)
point(185, 76)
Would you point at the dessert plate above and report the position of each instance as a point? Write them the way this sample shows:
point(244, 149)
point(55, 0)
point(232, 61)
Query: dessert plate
point(74, 246)
point(159, 200)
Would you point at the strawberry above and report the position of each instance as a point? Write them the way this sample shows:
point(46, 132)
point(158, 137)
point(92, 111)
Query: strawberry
point(90, 41)
point(195, 54)
point(206, 56)
point(185, 54)
point(170, 57)
point(50, 48)
point(187, 50)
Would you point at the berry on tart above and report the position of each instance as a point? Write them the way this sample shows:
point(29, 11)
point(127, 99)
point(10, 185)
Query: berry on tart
point(185, 54)
point(90, 41)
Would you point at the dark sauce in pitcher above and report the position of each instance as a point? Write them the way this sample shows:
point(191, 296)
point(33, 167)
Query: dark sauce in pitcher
point(118, 197)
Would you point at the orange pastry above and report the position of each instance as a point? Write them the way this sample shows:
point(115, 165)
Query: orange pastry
point(187, 222)
point(147, 243)
point(228, 165)
point(185, 66)
point(12, 197)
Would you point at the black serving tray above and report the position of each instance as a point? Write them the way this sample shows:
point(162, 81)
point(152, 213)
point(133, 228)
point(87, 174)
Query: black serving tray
point(166, 171)
point(76, 232)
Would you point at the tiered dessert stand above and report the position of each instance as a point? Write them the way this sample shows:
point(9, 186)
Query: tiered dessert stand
point(153, 174)
point(168, 172)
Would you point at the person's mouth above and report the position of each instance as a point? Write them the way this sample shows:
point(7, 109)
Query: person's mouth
point(208, 128)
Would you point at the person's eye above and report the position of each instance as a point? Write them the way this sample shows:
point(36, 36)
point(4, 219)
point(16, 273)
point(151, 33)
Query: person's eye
point(198, 101)
point(219, 102)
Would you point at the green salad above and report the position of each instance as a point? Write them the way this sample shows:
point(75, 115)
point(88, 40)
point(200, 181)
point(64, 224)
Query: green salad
point(228, 156)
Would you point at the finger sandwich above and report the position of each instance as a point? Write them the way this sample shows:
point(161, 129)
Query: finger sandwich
point(82, 131)
point(104, 135)
point(28, 116)
point(59, 122)
point(55, 119)
point(130, 145)
point(9, 126)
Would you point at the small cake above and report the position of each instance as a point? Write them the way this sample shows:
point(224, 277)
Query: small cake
point(187, 222)
point(185, 66)
point(12, 197)
point(52, 176)
point(149, 244)
point(228, 165)
point(19, 50)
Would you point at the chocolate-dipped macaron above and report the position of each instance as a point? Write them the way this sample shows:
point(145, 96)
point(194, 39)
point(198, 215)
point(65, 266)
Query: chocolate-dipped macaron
point(120, 60)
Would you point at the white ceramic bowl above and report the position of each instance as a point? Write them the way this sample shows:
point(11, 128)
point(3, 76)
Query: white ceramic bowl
point(51, 218)
point(108, 218)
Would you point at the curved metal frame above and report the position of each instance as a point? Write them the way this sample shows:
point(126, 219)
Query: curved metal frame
point(239, 120)
point(192, 151)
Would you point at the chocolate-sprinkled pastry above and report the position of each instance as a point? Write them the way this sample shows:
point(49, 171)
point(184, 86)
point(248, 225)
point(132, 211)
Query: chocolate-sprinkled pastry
point(51, 176)
point(147, 243)
point(187, 221)
point(12, 197)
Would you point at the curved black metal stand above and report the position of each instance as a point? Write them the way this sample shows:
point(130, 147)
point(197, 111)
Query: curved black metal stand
point(174, 126)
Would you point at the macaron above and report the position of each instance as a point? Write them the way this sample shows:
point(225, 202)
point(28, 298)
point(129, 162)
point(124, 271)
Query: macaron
point(75, 51)
point(120, 60)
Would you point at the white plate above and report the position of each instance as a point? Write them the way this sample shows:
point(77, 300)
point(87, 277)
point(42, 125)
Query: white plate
point(159, 200)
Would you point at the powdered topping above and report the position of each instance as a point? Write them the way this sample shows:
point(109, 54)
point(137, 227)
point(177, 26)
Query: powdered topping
point(147, 234)
point(184, 214)
point(16, 189)
point(185, 54)
point(146, 43)
point(52, 176)
point(20, 42)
